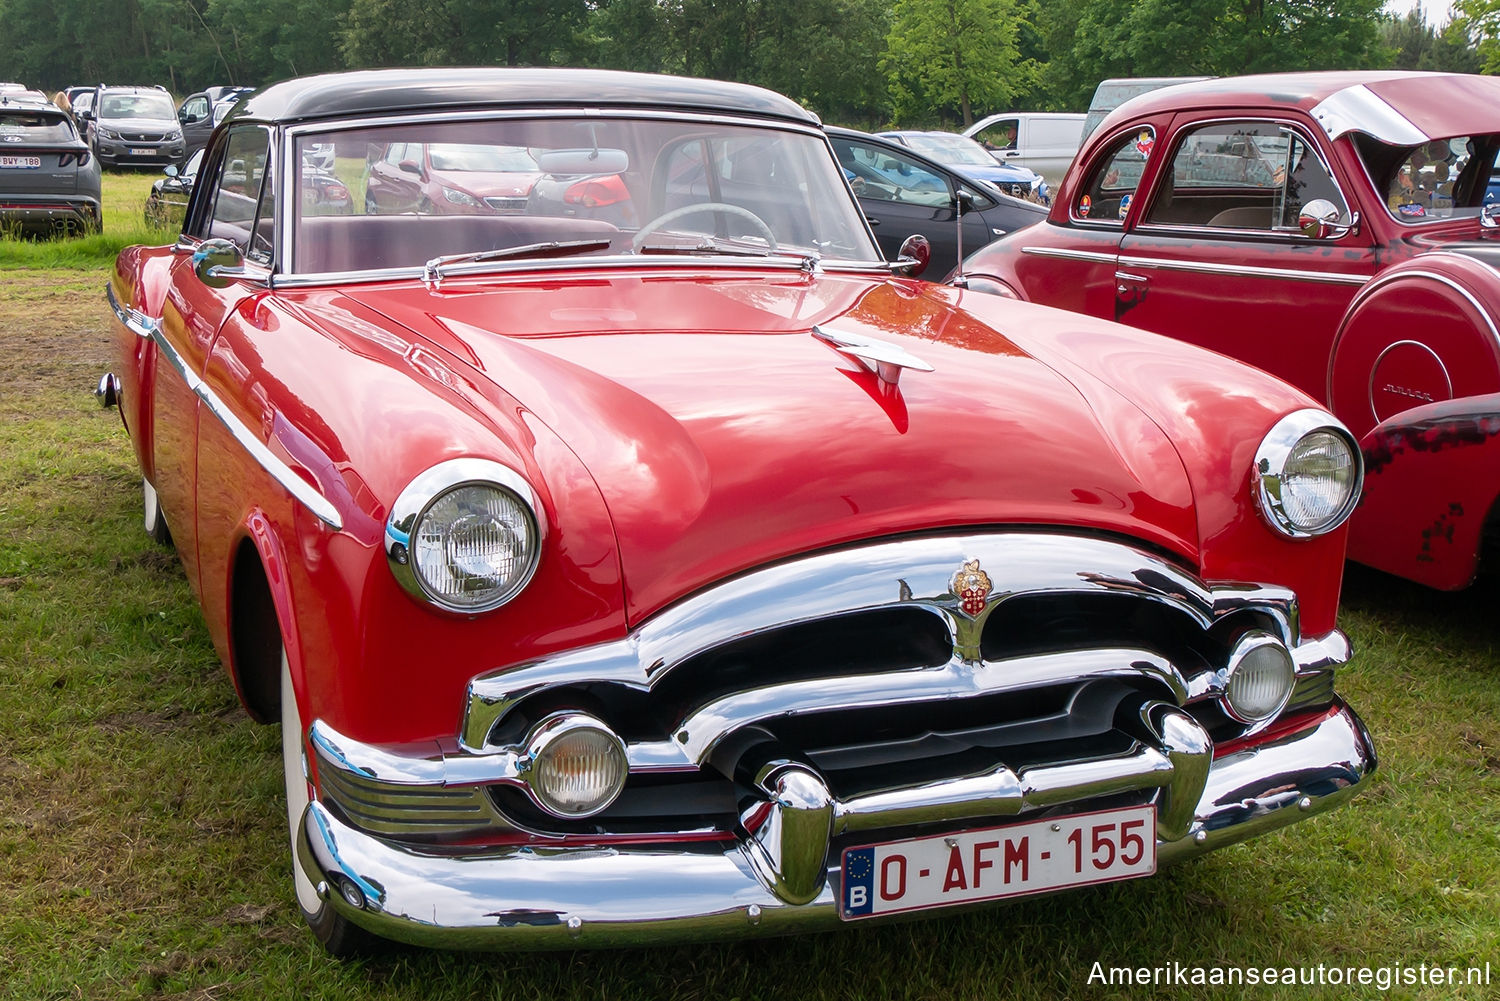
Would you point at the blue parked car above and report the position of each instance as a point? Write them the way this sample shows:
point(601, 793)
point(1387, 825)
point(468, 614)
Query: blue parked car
point(963, 153)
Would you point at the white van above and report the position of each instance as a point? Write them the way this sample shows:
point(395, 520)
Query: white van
point(1110, 94)
point(1045, 141)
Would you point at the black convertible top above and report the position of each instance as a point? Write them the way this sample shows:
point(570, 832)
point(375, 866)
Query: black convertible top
point(398, 91)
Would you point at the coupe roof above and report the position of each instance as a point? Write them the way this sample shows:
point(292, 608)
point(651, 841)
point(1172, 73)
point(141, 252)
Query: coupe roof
point(404, 91)
point(1404, 108)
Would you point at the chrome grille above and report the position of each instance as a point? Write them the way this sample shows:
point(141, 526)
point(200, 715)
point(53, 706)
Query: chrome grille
point(422, 811)
point(507, 203)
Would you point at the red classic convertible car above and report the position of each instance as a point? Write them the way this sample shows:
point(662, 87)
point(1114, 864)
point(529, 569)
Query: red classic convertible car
point(1330, 228)
point(710, 577)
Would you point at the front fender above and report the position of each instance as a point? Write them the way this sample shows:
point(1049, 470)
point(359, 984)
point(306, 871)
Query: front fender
point(1432, 476)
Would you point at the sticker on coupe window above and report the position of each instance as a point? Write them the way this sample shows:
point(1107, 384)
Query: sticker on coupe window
point(1084, 204)
point(1412, 210)
point(1143, 144)
point(1124, 205)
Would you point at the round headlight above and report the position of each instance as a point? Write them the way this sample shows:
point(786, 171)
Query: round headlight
point(464, 535)
point(1261, 673)
point(578, 765)
point(1308, 472)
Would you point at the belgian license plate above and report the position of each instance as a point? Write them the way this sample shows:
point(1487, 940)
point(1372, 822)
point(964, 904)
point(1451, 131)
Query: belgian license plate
point(1013, 861)
point(136, 151)
point(21, 162)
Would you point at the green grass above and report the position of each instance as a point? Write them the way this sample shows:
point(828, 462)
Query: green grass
point(142, 852)
point(123, 203)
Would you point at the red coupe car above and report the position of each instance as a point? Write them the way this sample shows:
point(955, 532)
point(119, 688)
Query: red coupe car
point(1330, 228)
point(710, 577)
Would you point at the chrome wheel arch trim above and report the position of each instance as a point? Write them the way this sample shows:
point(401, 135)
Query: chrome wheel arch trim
point(149, 328)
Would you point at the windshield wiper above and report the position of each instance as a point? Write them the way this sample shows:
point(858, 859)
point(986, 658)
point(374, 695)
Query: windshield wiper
point(432, 271)
point(708, 245)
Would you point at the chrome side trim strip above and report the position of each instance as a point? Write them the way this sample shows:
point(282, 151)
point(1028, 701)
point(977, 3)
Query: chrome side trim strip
point(1244, 270)
point(1092, 256)
point(147, 327)
point(538, 896)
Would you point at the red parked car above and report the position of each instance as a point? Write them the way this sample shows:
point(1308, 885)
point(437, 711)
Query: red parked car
point(1332, 229)
point(452, 178)
point(710, 577)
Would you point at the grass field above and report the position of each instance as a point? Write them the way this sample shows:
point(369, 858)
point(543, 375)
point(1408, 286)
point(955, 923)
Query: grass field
point(142, 855)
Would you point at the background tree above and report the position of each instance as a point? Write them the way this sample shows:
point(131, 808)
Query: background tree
point(950, 55)
point(1479, 20)
point(1417, 45)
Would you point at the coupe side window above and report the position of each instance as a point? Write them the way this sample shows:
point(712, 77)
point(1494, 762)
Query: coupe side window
point(890, 177)
point(1242, 175)
point(1110, 190)
point(238, 194)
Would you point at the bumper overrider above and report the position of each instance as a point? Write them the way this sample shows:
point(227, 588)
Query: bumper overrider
point(781, 719)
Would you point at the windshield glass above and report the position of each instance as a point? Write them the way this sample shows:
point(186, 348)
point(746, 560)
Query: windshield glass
point(413, 192)
point(953, 150)
point(157, 106)
point(1442, 179)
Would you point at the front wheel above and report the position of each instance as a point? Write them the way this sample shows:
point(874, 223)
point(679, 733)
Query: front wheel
point(338, 935)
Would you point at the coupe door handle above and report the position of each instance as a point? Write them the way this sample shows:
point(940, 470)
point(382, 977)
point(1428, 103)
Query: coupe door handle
point(1130, 287)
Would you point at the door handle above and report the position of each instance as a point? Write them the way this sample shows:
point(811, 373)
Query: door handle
point(1130, 288)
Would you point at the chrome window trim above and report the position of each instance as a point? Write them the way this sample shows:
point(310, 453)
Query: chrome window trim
point(1243, 270)
point(147, 327)
point(1357, 109)
point(1282, 123)
point(290, 204)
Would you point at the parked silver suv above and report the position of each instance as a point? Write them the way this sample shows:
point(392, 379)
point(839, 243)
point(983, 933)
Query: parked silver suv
point(135, 125)
point(49, 181)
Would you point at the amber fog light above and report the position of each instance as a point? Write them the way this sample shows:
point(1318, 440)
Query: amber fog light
point(1261, 673)
point(577, 765)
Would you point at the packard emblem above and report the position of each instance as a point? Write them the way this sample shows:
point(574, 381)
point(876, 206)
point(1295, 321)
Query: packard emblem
point(972, 587)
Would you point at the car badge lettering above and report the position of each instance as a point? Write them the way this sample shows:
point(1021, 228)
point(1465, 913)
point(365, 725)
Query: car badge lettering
point(972, 587)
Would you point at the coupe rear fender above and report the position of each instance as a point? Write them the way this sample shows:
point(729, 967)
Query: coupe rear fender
point(1432, 479)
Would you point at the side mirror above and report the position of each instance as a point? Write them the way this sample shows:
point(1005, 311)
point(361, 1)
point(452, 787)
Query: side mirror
point(218, 262)
point(410, 167)
point(1320, 219)
point(964, 200)
point(913, 257)
point(1489, 215)
point(170, 170)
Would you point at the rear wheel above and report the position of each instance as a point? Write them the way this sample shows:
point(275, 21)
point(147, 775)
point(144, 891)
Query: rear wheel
point(337, 934)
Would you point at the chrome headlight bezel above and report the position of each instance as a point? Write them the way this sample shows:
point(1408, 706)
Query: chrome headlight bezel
point(1237, 672)
point(433, 485)
point(1269, 474)
point(538, 774)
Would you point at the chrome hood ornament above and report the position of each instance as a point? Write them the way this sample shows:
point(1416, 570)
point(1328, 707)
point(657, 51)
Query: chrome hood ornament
point(884, 359)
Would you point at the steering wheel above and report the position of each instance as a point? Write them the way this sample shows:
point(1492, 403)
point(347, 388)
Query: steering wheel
point(645, 231)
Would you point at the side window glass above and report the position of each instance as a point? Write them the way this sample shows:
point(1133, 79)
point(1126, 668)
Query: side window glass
point(1000, 136)
point(890, 177)
point(265, 219)
point(237, 191)
point(1110, 190)
point(1242, 175)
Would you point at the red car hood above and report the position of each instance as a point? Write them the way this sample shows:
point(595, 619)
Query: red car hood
point(723, 435)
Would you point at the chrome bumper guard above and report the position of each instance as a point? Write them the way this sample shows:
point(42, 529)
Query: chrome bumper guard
point(536, 896)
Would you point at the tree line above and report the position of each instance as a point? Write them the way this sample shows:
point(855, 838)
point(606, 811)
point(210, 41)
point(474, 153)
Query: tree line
point(867, 62)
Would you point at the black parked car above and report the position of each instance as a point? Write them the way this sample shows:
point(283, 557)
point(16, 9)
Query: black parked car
point(167, 203)
point(903, 192)
point(49, 181)
point(135, 125)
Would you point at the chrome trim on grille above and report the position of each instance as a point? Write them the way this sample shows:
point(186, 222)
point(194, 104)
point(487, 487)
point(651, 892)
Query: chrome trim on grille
point(147, 327)
point(910, 573)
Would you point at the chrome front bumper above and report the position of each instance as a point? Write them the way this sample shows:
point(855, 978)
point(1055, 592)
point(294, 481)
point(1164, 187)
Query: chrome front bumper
point(555, 895)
